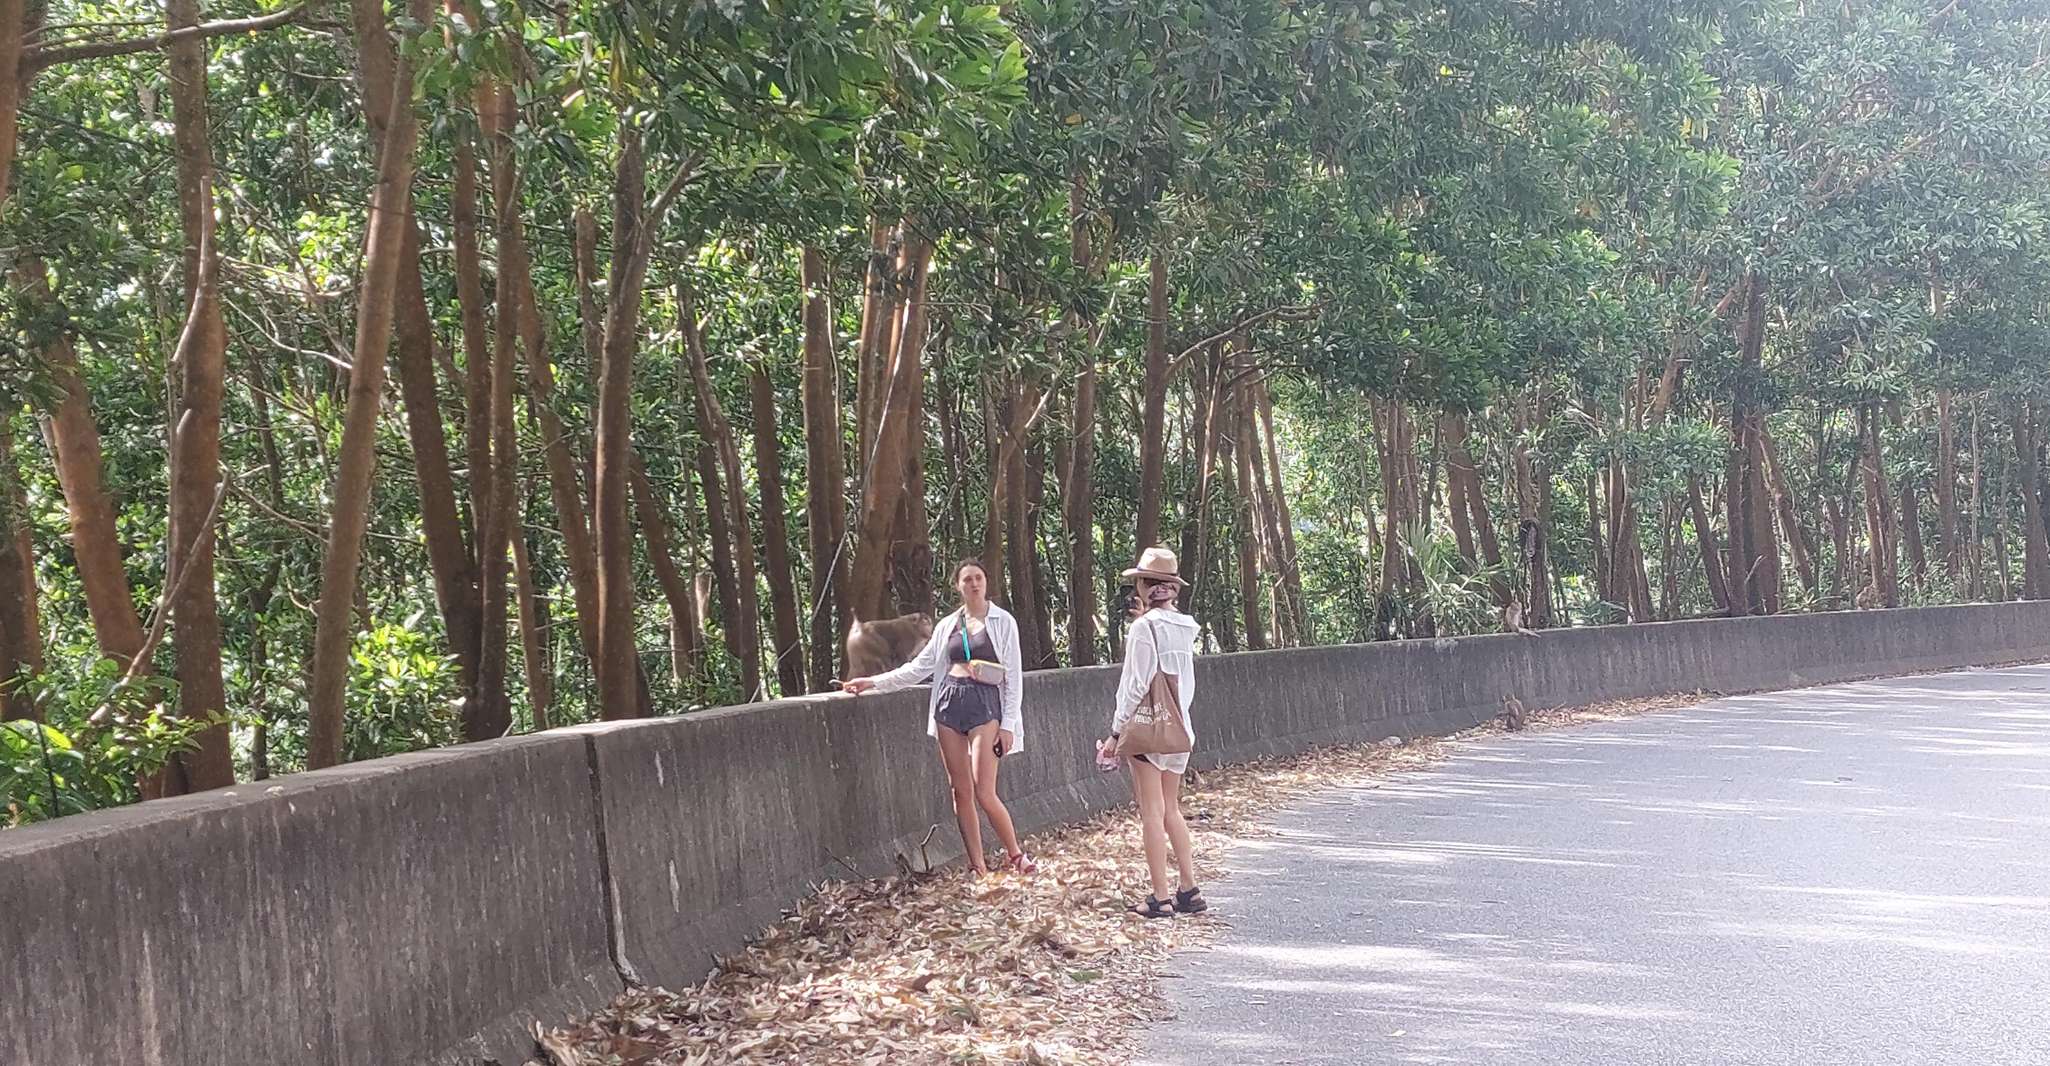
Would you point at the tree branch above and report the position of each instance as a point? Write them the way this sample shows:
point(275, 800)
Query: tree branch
point(37, 60)
point(1290, 311)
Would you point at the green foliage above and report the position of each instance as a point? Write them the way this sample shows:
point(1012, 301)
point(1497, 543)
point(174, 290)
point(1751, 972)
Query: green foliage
point(98, 739)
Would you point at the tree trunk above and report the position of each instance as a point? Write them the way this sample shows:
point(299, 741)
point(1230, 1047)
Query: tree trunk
point(1789, 520)
point(719, 526)
point(677, 589)
point(95, 541)
point(1241, 458)
point(492, 441)
point(1208, 428)
point(201, 362)
point(1911, 529)
point(20, 628)
point(879, 310)
point(389, 207)
point(21, 634)
point(1754, 582)
point(783, 602)
point(19, 21)
point(2035, 521)
point(911, 558)
point(1945, 485)
point(540, 669)
point(892, 471)
point(1708, 544)
point(1079, 503)
point(1153, 419)
point(825, 472)
point(1974, 565)
point(618, 658)
point(1025, 599)
point(714, 428)
point(1457, 464)
point(1284, 522)
point(1884, 554)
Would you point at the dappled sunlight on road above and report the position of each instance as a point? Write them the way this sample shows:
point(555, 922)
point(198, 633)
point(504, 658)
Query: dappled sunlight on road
point(1853, 875)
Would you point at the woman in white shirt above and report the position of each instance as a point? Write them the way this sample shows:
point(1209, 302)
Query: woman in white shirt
point(1162, 638)
point(974, 722)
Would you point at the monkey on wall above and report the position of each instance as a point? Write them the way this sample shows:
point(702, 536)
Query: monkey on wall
point(881, 646)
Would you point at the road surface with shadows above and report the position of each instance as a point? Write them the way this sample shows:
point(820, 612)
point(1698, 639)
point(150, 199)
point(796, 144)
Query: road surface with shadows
point(1854, 875)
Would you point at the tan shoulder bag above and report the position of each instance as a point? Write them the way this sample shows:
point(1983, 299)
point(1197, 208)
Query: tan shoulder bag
point(1156, 726)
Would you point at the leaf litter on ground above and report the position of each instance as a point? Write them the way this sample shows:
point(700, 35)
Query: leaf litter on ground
point(941, 969)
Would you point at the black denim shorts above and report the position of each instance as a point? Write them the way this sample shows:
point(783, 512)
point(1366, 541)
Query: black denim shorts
point(966, 704)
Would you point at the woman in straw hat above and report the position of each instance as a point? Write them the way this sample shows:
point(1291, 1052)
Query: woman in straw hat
point(1162, 639)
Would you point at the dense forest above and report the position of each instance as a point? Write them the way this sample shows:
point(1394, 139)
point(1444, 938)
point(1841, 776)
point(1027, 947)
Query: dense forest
point(379, 377)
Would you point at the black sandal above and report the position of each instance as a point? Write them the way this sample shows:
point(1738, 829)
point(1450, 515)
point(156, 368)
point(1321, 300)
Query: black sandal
point(1190, 901)
point(1153, 908)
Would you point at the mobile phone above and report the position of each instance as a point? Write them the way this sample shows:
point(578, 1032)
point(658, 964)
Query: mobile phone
point(998, 747)
point(1128, 598)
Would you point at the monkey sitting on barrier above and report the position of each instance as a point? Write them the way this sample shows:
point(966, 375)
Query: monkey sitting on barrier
point(881, 646)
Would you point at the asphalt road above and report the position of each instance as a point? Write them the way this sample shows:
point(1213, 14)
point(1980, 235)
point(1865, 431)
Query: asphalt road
point(1856, 875)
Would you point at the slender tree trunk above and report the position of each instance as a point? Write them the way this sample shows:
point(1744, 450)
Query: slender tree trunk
point(95, 541)
point(677, 588)
point(1911, 529)
point(1945, 485)
point(451, 562)
point(390, 203)
point(1878, 518)
point(21, 634)
point(825, 472)
point(776, 537)
point(1153, 419)
point(1287, 621)
point(1710, 548)
point(1025, 598)
point(264, 593)
point(540, 669)
point(1239, 453)
point(719, 526)
point(1284, 521)
point(201, 362)
point(1790, 522)
point(491, 426)
point(618, 658)
point(1755, 577)
point(911, 557)
point(19, 20)
point(1974, 563)
point(714, 428)
point(20, 627)
point(879, 310)
point(1208, 428)
point(1457, 465)
point(2035, 522)
point(1080, 500)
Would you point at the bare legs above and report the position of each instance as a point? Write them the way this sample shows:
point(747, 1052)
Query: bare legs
point(971, 764)
point(1159, 795)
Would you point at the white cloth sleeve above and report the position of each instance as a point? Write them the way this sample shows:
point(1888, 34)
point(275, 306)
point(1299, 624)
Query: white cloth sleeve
point(1014, 681)
point(920, 669)
point(1142, 659)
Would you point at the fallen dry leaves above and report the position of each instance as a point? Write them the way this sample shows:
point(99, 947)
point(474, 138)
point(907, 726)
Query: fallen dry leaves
point(942, 969)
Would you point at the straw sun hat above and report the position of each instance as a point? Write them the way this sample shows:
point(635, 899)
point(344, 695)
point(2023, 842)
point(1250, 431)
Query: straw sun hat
point(1157, 564)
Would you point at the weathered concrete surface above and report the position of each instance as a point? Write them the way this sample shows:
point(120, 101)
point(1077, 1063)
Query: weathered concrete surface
point(414, 909)
point(1847, 876)
point(426, 908)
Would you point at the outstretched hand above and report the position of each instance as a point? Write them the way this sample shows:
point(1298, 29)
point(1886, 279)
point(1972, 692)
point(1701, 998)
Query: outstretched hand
point(857, 685)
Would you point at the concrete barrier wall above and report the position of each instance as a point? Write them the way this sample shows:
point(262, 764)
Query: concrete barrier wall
point(425, 909)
